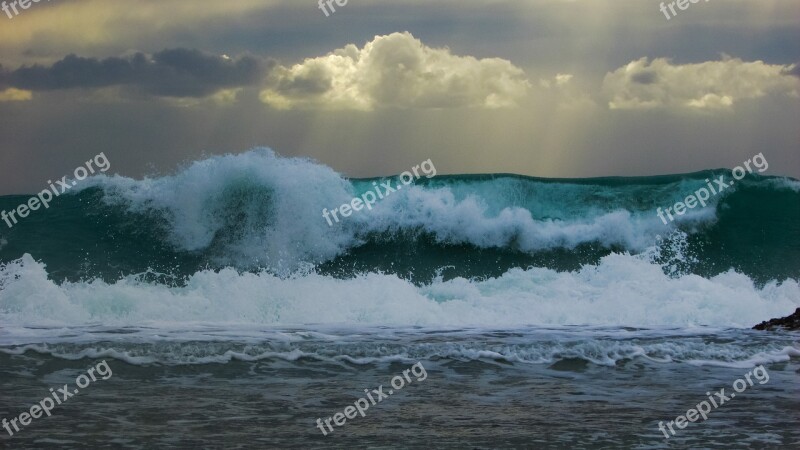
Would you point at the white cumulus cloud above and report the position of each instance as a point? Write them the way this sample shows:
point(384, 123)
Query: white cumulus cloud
point(395, 71)
point(710, 85)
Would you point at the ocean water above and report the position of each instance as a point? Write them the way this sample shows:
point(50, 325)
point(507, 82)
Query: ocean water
point(547, 313)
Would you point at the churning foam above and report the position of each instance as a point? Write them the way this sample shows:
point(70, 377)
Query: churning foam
point(620, 290)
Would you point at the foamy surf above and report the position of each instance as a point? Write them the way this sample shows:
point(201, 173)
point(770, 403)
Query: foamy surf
point(622, 290)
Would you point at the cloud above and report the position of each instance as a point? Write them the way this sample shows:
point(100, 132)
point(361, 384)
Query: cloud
point(794, 69)
point(103, 26)
point(15, 95)
point(561, 79)
point(395, 71)
point(168, 73)
point(711, 85)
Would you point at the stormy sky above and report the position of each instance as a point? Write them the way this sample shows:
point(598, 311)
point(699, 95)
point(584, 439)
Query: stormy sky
point(550, 88)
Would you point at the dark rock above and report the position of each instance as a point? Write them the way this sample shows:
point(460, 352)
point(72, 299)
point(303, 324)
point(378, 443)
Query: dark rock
point(790, 323)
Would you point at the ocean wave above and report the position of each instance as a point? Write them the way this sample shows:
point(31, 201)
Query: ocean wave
point(259, 211)
point(621, 290)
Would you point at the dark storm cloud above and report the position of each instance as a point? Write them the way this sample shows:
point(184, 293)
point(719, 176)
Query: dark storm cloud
point(315, 82)
point(169, 73)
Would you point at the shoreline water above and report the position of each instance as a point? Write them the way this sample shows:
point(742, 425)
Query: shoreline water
point(602, 388)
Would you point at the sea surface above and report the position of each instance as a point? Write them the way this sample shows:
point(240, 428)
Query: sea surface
point(547, 313)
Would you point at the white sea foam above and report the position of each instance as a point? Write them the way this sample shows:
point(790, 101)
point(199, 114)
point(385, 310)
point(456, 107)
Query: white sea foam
point(620, 290)
point(259, 209)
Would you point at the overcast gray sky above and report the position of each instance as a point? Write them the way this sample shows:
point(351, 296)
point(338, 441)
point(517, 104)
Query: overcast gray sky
point(550, 88)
